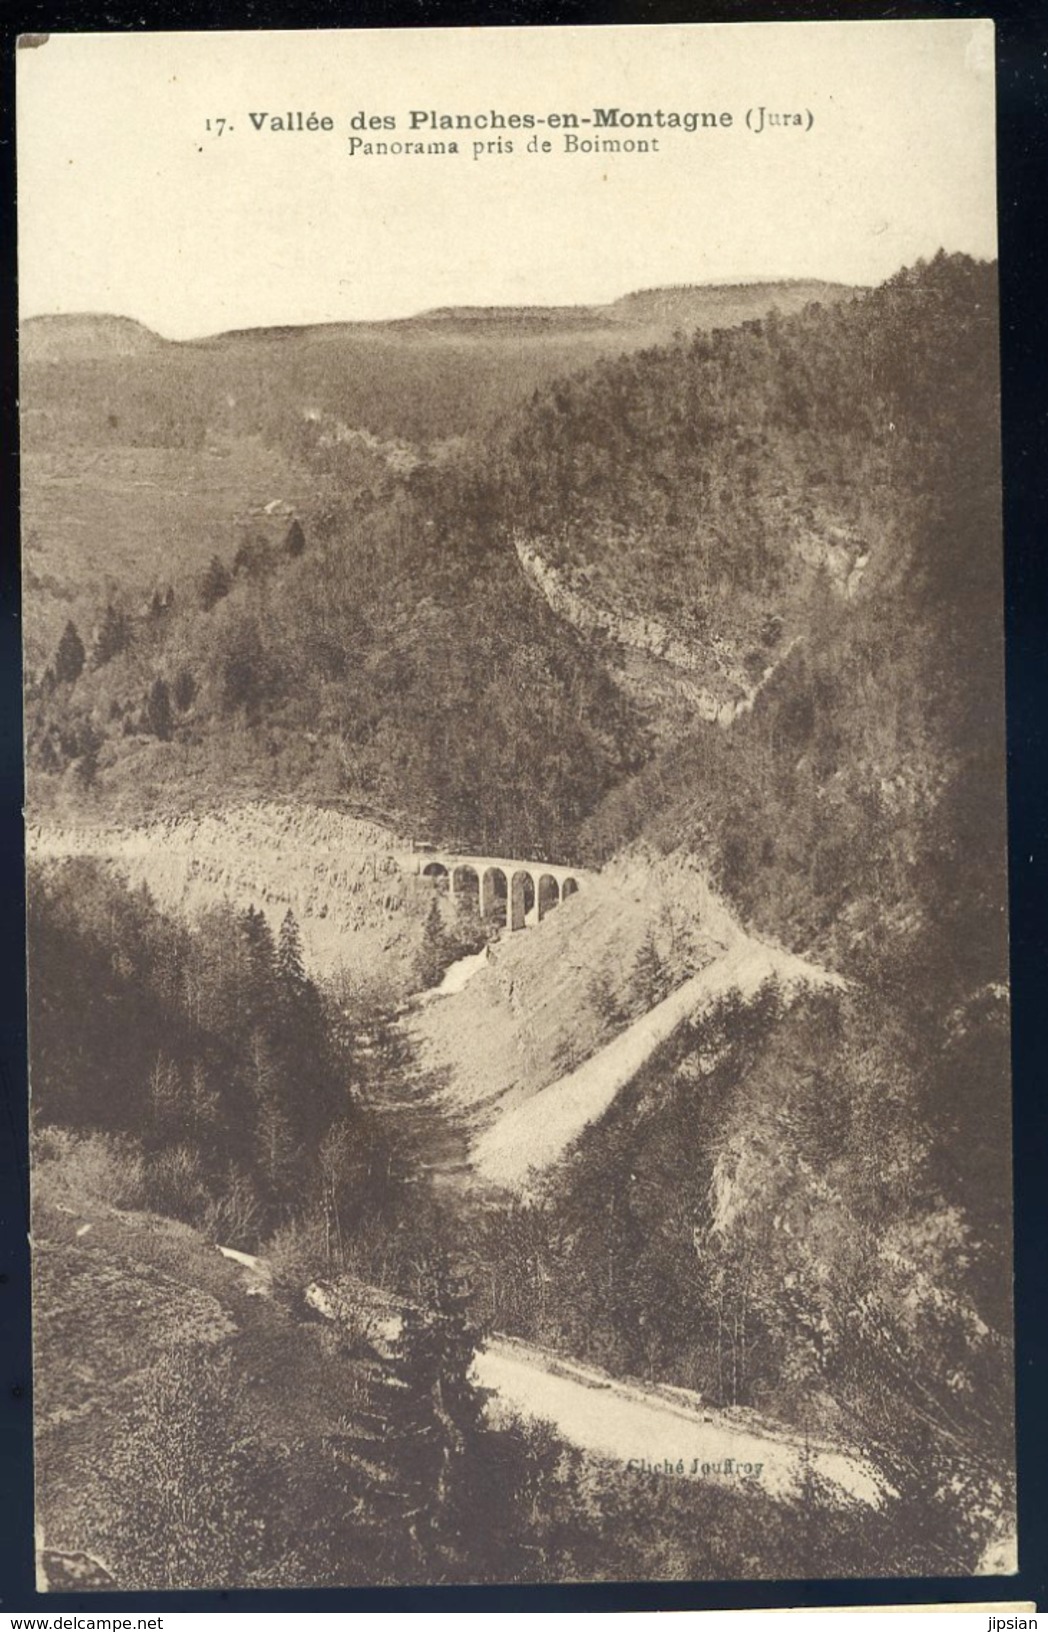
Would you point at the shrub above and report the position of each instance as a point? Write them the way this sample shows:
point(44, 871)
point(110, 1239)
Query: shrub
point(96, 1166)
point(234, 1216)
point(175, 1185)
point(298, 1252)
point(189, 1498)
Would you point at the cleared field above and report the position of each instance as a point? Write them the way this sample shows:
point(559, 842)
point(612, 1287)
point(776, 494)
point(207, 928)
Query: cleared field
point(123, 520)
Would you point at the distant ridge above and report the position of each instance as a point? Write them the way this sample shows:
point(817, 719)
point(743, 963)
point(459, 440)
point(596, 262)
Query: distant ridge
point(710, 305)
point(89, 335)
point(676, 305)
point(85, 334)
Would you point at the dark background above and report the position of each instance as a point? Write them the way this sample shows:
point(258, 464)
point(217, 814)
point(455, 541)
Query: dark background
point(1022, 92)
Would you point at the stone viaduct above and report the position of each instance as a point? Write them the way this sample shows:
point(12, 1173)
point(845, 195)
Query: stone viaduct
point(524, 890)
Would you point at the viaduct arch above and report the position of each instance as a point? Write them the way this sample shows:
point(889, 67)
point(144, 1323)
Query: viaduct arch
point(525, 891)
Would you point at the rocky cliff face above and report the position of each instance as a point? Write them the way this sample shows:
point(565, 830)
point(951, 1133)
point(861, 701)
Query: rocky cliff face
point(655, 662)
point(349, 883)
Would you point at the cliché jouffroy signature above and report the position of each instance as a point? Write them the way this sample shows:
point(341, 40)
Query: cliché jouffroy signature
point(727, 1467)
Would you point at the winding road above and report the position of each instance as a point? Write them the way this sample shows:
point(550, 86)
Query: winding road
point(664, 1431)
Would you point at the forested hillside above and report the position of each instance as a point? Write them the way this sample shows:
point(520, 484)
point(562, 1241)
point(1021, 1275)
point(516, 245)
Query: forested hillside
point(813, 492)
point(403, 670)
point(832, 1211)
point(208, 1064)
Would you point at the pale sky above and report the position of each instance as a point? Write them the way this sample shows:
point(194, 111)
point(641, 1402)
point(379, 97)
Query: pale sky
point(128, 205)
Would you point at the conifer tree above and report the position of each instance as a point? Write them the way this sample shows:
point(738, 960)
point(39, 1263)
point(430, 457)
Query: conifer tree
point(88, 746)
point(184, 690)
point(204, 1109)
point(261, 948)
point(158, 710)
point(215, 583)
point(434, 952)
point(276, 1149)
point(290, 968)
point(112, 637)
point(649, 973)
point(165, 1097)
point(274, 1146)
point(69, 658)
point(305, 1041)
point(432, 1417)
point(258, 974)
point(295, 542)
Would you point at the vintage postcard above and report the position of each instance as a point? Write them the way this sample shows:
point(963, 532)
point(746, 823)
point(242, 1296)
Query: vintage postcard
point(515, 747)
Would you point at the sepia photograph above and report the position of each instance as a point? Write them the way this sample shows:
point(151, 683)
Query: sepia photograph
point(516, 845)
